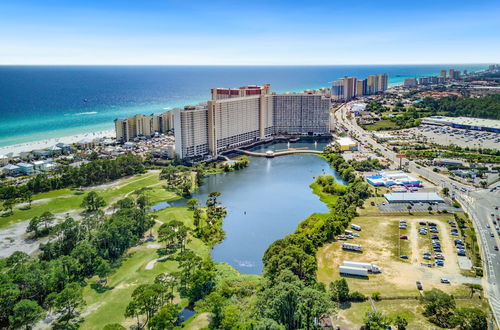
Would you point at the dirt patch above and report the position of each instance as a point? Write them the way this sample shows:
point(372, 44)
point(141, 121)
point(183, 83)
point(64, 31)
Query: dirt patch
point(379, 238)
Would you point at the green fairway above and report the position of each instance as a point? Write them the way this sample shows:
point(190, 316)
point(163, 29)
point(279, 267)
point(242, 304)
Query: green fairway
point(109, 306)
point(67, 200)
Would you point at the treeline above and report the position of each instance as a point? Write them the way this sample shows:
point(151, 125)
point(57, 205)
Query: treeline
point(93, 173)
point(76, 250)
point(366, 165)
point(483, 107)
point(291, 296)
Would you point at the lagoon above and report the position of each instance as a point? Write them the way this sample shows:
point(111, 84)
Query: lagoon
point(265, 202)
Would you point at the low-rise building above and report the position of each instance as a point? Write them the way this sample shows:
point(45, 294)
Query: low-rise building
point(25, 168)
point(390, 178)
point(415, 197)
point(11, 170)
point(448, 162)
point(347, 144)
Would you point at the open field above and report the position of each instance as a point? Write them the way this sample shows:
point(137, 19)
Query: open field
point(381, 125)
point(109, 306)
point(351, 316)
point(382, 246)
point(68, 201)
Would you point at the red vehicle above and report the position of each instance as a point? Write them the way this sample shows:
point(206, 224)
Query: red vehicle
point(403, 237)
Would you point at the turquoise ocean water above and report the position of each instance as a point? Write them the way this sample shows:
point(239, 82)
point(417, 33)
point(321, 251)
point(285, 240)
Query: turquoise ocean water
point(41, 102)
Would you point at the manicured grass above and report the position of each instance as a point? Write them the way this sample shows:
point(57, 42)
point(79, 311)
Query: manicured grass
point(109, 306)
point(67, 200)
point(381, 125)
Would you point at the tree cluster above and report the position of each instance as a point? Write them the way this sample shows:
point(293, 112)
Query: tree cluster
point(93, 173)
point(75, 251)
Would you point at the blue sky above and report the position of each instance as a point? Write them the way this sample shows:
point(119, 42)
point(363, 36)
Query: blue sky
point(249, 32)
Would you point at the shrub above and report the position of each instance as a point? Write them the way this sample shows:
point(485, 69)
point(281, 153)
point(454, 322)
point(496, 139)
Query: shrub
point(357, 296)
point(376, 296)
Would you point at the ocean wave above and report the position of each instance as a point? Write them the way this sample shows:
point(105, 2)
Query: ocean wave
point(81, 113)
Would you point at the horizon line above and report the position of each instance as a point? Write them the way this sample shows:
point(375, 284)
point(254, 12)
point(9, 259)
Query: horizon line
point(349, 64)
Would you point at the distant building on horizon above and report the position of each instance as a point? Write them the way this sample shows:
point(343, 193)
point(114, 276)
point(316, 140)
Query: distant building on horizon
point(410, 82)
point(454, 74)
point(361, 87)
point(377, 83)
point(443, 73)
point(344, 89)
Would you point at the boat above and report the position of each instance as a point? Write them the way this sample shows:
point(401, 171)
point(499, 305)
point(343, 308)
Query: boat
point(294, 139)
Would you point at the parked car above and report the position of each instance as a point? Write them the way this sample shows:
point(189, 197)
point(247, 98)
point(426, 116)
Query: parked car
point(403, 256)
point(403, 237)
point(427, 258)
point(440, 263)
point(422, 223)
point(419, 285)
point(496, 248)
point(445, 280)
point(427, 253)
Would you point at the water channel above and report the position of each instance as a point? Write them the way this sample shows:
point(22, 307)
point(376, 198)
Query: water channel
point(264, 202)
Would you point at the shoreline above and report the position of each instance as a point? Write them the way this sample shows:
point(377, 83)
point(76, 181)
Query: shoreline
point(43, 144)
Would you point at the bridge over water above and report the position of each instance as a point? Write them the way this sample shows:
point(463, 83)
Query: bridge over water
point(271, 154)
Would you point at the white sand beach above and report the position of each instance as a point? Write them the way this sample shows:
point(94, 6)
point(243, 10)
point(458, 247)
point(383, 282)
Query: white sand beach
point(29, 146)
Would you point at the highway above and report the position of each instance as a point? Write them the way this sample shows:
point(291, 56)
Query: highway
point(478, 203)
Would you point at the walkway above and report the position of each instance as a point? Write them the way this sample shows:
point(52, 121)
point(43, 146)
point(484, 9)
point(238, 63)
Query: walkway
point(279, 153)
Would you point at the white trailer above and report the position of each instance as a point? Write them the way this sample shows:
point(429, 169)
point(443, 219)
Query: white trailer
point(346, 270)
point(370, 267)
point(356, 227)
point(351, 247)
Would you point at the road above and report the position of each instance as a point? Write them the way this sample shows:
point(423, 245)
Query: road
point(479, 204)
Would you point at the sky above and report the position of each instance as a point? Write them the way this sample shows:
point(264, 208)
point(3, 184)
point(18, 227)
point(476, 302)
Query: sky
point(186, 32)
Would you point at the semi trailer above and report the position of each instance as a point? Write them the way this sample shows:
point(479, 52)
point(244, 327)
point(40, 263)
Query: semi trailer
point(352, 247)
point(346, 270)
point(369, 267)
point(356, 227)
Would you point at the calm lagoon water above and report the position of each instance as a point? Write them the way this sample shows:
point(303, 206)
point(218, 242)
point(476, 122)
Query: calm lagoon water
point(265, 202)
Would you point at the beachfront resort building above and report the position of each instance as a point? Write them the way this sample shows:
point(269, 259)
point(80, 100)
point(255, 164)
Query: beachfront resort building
point(346, 88)
point(142, 126)
point(239, 117)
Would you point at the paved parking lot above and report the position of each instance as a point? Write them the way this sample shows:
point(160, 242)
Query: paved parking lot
point(416, 207)
point(460, 137)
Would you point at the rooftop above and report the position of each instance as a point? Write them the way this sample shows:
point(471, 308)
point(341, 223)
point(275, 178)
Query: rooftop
point(465, 121)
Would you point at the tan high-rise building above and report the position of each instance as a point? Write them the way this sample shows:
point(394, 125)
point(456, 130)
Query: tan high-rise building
point(227, 123)
point(443, 73)
point(372, 84)
point(344, 89)
point(130, 128)
point(361, 86)
point(383, 82)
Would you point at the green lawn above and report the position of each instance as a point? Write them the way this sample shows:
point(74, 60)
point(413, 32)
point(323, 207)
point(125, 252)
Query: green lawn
point(109, 306)
point(66, 200)
point(381, 125)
